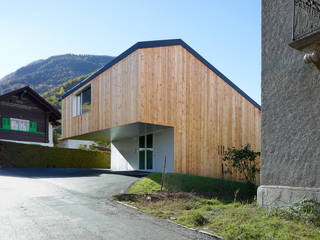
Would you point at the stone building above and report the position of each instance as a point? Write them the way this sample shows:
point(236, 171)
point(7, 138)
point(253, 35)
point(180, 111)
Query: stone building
point(290, 160)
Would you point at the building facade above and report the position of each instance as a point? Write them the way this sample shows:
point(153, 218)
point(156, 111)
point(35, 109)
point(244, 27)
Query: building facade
point(290, 165)
point(25, 117)
point(162, 99)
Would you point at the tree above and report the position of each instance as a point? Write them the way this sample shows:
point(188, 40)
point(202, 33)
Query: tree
point(56, 136)
point(61, 91)
point(244, 161)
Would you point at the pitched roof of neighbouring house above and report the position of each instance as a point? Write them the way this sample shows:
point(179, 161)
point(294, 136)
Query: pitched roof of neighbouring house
point(161, 43)
point(54, 114)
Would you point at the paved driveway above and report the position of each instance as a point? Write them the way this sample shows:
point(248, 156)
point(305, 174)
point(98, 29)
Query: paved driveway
point(74, 204)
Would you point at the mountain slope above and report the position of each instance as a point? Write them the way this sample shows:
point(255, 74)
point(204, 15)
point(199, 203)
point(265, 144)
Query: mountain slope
point(43, 75)
point(53, 95)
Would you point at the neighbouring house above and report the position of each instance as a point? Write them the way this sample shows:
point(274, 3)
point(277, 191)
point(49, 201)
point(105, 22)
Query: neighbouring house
point(26, 117)
point(162, 99)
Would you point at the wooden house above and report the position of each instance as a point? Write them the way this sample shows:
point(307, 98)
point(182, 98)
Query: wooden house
point(26, 117)
point(157, 99)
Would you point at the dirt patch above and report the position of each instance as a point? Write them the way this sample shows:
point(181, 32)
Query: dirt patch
point(155, 197)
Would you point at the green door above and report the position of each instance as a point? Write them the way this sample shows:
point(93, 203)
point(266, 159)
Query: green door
point(142, 159)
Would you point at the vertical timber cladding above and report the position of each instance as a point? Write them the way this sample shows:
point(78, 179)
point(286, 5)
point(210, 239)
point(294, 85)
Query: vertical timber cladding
point(178, 90)
point(169, 86)
point(114, 100)
point(25, 109)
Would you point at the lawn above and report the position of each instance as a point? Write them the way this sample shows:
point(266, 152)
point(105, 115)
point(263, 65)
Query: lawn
point(227, 209)
point(175, 182)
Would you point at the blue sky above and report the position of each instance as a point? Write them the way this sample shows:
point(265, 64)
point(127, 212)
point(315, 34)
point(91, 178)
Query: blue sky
point(226, 33)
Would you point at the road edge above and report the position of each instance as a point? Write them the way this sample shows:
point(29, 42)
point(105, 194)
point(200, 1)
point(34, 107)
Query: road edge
point(217, 237)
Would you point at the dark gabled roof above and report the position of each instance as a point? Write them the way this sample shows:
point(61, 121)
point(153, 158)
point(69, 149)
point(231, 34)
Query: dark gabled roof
point(161, 43)
point(54, 114)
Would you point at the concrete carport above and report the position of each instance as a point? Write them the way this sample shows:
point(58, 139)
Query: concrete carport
point(138, 146)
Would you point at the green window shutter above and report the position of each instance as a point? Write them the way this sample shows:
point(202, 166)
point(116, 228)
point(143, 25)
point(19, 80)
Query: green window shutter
point(6, 123)
point(32, 126)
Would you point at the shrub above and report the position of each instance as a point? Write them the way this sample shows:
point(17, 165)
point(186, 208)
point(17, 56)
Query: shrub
point(198, 219)
point(244, 161)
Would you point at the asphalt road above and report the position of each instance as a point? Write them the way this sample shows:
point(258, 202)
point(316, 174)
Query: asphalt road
point(75, 204)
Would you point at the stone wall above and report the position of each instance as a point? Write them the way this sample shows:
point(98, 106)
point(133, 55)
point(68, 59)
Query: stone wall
point(290, 105)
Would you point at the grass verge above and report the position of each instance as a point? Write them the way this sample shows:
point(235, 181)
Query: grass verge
point(175, 182)
point(203, 203)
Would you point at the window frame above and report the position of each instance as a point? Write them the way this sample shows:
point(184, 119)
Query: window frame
point(145, 149)
point(77, 102)
point(16, 123)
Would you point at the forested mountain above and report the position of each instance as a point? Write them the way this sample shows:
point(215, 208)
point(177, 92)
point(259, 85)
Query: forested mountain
point(54, 94)
point(44, 75)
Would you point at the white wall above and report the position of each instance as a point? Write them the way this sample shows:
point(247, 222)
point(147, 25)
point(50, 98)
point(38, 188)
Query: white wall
point(163, 144)
point(49, 144)
point(125, 155)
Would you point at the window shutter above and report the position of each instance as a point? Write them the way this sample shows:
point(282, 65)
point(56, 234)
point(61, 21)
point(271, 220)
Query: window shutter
point(32, 126)
point(6, 123)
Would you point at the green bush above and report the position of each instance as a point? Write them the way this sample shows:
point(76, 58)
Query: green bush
point(35, 156)
point(198, 219)
point(244, 161)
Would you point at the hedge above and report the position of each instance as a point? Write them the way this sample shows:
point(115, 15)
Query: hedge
point(34, 156)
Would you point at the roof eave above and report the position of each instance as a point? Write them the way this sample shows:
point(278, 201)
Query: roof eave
point(161, 43)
